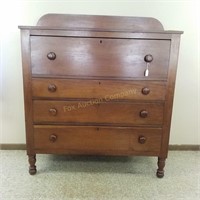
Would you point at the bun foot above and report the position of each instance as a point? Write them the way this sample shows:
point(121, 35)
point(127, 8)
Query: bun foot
point(161, 165)
point(32, 171)
point(160, 174)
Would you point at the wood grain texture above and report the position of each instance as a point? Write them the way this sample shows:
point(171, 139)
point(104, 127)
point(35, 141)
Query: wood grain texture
point(106, 89)
point(100, 22)
point(86, 90)
point(173, 62)
point(99, 57)
point(26, 62)
point(98, 139)
point(97, 112)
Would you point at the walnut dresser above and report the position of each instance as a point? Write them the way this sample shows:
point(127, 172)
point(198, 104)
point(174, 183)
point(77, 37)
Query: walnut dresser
point(98, 85)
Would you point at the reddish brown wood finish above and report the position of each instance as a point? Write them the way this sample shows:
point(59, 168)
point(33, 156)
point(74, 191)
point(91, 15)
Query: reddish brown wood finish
point(99, 57)
point(98, 139)
point(32, 161)
point(124, 113)
point(85, 89)
point(100, 22)
point(106, 89)
point(161, 165)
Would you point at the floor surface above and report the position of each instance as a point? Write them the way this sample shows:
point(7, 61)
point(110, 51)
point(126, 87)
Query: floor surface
point(99, 178)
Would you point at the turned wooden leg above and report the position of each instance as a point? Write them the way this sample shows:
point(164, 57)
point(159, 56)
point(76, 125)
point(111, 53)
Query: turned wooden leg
point(161, 165)
point(32, 161)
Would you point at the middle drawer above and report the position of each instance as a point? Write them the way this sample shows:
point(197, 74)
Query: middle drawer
point(98, 112)
point(107, 89)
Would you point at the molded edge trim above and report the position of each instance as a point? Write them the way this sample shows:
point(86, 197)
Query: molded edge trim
point(183, 147)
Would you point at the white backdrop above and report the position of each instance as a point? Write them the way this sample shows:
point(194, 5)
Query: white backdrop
point(174, 15)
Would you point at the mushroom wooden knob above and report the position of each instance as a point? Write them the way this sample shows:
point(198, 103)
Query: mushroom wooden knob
point(145, 90)
point(142, 139)
point(143, 113)
point(148, 58)
point(53, 138)
point(51, 56)
point(52, 88)
point(53, 111)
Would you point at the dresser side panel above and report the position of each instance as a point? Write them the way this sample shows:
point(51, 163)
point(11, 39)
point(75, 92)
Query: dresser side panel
point(173, 62)
point(26, 64)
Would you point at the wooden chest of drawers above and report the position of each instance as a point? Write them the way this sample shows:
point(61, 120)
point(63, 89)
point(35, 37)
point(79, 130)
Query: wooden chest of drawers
point(100, 85)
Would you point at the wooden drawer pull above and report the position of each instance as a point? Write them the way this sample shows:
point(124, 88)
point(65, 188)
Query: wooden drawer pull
point(143, 113)
point(52, 88)
point(53, 138)
point(51, 56)
point(53, 111)
point(142, 139)
point(145, 90)
point(148, 58)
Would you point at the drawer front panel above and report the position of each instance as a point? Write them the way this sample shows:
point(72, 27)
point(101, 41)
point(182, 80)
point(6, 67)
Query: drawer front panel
point(97, 139)
point(98, 57)
point(98, 112)
point(106, 89)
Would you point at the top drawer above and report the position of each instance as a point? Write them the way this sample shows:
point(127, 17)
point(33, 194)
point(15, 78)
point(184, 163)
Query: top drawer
point(98, 57)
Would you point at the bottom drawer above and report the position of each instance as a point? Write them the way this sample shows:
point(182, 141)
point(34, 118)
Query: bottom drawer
point(97, 140)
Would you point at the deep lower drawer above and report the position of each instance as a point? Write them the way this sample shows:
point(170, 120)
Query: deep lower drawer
point(100, 140)
point(107, 89)
point(98, 112)
point(107, 57)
